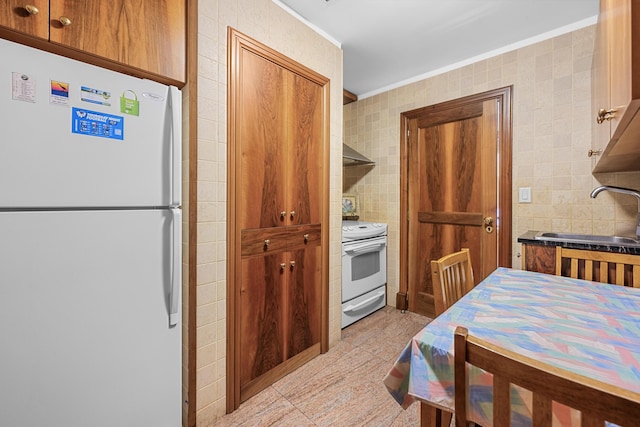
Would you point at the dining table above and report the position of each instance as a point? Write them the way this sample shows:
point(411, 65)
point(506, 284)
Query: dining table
point(589, 328)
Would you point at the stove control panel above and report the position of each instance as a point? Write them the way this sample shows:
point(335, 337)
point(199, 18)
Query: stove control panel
point(357, 230)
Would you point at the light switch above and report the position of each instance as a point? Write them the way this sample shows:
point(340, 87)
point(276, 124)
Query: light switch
point(524, 195)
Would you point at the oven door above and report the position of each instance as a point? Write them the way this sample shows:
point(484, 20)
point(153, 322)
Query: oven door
point(364, 266)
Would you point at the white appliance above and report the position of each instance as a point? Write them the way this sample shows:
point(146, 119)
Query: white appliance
point(90, 245)
point(364, 269)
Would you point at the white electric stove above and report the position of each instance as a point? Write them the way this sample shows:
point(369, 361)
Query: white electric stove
point(364, 269)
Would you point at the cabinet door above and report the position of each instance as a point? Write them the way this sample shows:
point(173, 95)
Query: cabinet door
point(261, 316)
point(617, 27)
point(303, 291)
point(280, 299)
point(262, 138)
point(539, 258)
point(618, 32)
point(32, 20)
point(600, 83)
point(145, 34)
point(305, 150)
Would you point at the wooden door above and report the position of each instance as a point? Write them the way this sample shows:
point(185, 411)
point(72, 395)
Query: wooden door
point(616, 24)
point(600, 78)
point(261, 327)
point(282, 133)
point(304, 290)
point(281, 297)
point(453, 180)
point(262, 135)
point(14, 15)
point(145, 34)
point(305, 129)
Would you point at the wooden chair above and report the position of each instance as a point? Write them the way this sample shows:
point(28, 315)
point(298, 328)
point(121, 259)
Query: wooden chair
point(604, 267)
point(597, 401)
point(452, 278)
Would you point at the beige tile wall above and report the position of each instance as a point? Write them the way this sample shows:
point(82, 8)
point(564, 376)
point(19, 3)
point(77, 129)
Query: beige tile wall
point(268, 23)
point(551, 137)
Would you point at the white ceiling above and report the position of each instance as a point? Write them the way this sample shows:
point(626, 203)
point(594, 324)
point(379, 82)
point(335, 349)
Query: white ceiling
point(388, 43)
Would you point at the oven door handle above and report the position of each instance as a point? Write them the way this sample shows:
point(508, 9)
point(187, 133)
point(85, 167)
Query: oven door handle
point(365, 248)
point(365, 302)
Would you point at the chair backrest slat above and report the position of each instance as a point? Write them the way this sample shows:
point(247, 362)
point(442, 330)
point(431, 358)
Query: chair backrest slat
point(595, 266)
point(597, 401)
point(452, 278)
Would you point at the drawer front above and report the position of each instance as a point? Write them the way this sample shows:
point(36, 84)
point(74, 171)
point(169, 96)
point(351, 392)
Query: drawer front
point(303, 236)
point(263, 241)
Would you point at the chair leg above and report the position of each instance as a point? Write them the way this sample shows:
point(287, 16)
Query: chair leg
point(430, 416)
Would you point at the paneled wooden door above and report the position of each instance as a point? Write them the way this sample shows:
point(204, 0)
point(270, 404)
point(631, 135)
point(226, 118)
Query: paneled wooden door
point(456, 189)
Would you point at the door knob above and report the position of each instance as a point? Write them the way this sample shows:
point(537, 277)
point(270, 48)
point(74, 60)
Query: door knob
point(65, 21)
point(488, 221)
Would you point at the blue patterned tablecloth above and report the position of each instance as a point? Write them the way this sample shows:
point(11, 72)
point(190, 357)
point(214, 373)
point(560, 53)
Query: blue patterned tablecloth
point(585, 327)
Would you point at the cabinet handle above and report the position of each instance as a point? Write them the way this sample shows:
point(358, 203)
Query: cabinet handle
point(283, 266)
point(283, 214)
point(267, 242)
point(292, 264)
point(605, 115)
point(31, 9)
point(293, 213)
point(306, 238)
point(65, 21)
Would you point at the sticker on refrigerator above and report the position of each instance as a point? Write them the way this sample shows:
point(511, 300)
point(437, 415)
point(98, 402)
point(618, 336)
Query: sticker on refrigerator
point(23, 87)
point(95, 96)
point(93, 123)
point(129, 103)
point(59, 93)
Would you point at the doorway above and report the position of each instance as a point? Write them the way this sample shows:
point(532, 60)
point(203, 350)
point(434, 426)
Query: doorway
point(455, 190)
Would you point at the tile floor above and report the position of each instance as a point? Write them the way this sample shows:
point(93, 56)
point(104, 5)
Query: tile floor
point(342, 387)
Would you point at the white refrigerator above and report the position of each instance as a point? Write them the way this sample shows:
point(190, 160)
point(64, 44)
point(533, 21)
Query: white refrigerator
point(90, 245)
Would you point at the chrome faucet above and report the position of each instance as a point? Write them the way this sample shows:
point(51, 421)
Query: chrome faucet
point(628, 191)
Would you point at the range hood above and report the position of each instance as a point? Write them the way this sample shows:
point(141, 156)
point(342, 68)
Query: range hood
point(351, 157)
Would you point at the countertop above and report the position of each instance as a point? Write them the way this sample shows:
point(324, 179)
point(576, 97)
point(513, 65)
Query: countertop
point(529, 238)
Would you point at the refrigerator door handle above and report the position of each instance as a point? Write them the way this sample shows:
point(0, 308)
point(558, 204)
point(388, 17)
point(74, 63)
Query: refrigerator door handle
point(175, 104)
point(176, 266)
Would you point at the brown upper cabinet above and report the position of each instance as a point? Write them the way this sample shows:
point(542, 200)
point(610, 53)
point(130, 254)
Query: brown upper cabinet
point(616, 86)
point(145, 38)
point(30, 18)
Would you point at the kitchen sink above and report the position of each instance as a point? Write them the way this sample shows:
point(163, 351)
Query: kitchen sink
point(587, 239)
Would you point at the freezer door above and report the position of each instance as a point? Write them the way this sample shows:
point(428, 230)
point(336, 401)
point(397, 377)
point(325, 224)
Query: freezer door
point(85, 324)
point(81, 136)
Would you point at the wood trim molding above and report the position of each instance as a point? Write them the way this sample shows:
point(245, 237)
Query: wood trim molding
point(192, 130)
point(348, 97)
